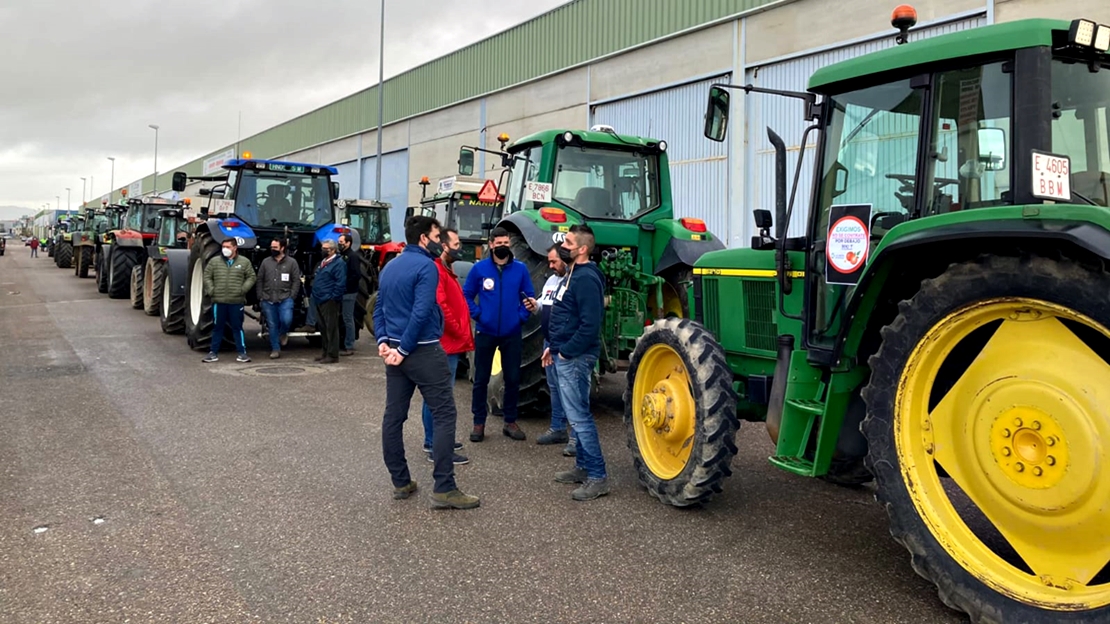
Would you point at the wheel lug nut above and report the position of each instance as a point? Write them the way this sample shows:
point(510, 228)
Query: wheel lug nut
point(929, 448)
point(1037, 471)
point(1051, 441)
point(1020, 467)
point(1017, 422)
point(1037, 425)
point(1005, 433)
point(1006, 451)
point(1050, 460)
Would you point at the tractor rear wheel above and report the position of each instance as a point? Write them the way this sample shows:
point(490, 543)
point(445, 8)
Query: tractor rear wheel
point(63, 256)
point(154, 278)
point(367, 285)
point(101, 272)
point(368, 322)
point(84, 260)
point(680, 412)
point(172, 308)
point(676, 300)
point(989, 437)
point(137, 287)
point(120, 264)
point(199, 317)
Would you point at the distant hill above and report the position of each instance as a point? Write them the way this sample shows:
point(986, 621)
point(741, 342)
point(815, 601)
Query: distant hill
point(14, 212)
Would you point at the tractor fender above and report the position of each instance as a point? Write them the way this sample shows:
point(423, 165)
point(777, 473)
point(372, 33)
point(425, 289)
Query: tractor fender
point(234, 228)
point(387, 251)
point(177, 263)
point(332, 232)
point(128, 238)
point(680, 252)
point(462, 269)
point(906, 258)
point(538, 239)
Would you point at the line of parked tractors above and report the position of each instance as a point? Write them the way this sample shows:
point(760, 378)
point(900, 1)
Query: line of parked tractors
point(941, 327)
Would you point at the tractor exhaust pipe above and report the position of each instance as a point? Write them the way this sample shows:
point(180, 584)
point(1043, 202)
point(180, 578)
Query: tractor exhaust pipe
point(780, 183)
point(777, 400)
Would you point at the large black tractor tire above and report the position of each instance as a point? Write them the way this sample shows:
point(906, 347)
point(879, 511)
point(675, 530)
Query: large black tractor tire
point(120, 263)
point(367, 286)
point(50, 252)
point(172, 308)
point(676, 301)
point(137, 287)
point(961, 473)
point(368, 320)
point(63, 256)
point(83, 260)
point(534, 396)
point(680, 413)
point(154, 279)
point(101, 273)
point(199, 315)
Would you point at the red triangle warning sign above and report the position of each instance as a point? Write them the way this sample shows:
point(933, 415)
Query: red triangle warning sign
point(489, 193)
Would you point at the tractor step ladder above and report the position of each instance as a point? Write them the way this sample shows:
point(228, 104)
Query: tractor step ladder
point(805, 413)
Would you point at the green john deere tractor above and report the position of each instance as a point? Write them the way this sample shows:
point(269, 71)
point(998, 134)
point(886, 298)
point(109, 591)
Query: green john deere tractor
point(62, 248)
point(942, 325)
point(96, 224)
point(620, 186)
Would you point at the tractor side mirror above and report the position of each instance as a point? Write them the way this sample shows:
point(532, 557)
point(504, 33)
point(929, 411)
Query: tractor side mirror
point(716, 114)
point(840, 179)
point(409, 212)
point(204, 192)
point(334, 190)
point(179, 181)
point(992, 148)
point(763, 219)
point(466, 161)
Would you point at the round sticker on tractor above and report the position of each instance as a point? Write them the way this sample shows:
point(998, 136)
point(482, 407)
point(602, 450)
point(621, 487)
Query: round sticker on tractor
point(847, 244)
point(240, 241)
point(558, 237)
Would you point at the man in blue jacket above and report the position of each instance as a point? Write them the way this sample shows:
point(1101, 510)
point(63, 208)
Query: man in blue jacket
point(574, 346)
point(328, 286)
point(408, 324)
point(501, 297)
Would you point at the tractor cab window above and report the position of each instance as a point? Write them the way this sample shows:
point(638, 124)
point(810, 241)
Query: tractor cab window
point(370, 225)
point(526, 168)
point(605, 183)
point(970, 153)
point(471, 215)
point(173, 232)
point(142, 217)
point(278, 199)
point(100, 224)
point(870, 161)
point(1081, 129)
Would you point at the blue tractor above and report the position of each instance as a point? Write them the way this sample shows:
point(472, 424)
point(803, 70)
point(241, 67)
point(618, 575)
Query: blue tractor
point(255, 202)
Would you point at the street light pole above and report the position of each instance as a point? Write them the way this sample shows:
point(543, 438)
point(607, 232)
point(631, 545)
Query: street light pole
point(57, 203)
point(381, 105)
point(112, 183)
point(155, 128)
point(83, 191)
point(69, 204)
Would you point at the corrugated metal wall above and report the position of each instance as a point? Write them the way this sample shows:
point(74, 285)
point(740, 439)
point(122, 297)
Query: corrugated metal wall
point(395, 176)
point(569, 35)
point(786, 117)
point(348, 179)
point(699, 167)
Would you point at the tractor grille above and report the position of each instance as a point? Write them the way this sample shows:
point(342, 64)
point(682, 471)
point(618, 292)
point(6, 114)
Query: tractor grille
point(759, 298)
point(711, 304)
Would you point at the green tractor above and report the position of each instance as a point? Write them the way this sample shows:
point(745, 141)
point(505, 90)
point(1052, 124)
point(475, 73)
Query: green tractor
point(62, 247)
point(942, 325)
point(148, 282)
point(114, 214)
point(620, 186)
point(97, 222)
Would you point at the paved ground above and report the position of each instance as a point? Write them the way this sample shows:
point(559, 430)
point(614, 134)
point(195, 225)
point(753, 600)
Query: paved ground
point(172, 491)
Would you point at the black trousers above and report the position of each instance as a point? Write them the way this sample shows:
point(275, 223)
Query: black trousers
point(328, 319)
point(425, 368)
point(484, 347)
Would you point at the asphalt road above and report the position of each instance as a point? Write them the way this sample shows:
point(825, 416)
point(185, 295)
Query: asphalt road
point(139, 485)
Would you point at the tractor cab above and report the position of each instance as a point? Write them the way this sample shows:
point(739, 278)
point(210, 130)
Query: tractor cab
point(468, 204)
point(142, 216)
point(173, 228)
point(368, 219)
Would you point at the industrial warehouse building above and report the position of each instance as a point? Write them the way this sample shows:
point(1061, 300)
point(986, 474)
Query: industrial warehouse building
point(641, 66)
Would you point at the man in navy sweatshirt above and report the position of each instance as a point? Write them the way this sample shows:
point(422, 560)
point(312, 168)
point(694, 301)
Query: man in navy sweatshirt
point(408, 324)
point(501, 297)
point(574, 344)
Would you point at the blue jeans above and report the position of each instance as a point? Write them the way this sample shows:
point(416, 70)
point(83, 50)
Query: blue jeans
point(279, 317)
point(558, 416)
point(230, 315)
point(453, 364)
point(349, 300)
point(574, 377)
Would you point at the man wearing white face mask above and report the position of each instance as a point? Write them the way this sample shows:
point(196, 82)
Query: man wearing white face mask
point(227, 281)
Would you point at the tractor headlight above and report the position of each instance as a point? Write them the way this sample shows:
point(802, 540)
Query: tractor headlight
point(662, 146)
point(568, 136)
point(1102, 38)
point(1087, 34)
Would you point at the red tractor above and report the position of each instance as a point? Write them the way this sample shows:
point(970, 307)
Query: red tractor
point(127, 245)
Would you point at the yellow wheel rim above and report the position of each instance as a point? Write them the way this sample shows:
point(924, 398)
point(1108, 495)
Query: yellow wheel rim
point(663, 411)
point(1022, 433)
point(672, 303)
point(495, 369)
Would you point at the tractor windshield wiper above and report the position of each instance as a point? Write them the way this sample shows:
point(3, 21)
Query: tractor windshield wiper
point(1085, 198)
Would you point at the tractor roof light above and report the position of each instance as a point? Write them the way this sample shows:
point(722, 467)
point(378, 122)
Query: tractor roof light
point(554, 215)
point(662, 146)
point(188, 202)
point(1102, 38)
point(503, 138)
point(903, 17)
point(1085, 33)
point(694, 225)
point(246, 155)
point(568, 136)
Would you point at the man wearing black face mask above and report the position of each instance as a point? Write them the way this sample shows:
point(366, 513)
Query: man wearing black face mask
point(500, 295)
point(279, 284)
point(354, 275)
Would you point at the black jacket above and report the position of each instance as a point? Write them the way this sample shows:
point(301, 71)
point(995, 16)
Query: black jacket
point(576, 314)
point(354, 269)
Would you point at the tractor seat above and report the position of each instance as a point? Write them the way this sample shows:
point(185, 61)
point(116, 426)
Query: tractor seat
point(592, 201)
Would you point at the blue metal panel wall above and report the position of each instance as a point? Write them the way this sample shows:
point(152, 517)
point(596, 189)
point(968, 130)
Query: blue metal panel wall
point(395, 175)
point(785, 116)
point(347, 179)
point(699, 167)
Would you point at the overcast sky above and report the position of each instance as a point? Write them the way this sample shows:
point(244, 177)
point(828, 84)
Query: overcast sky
point(82, 80)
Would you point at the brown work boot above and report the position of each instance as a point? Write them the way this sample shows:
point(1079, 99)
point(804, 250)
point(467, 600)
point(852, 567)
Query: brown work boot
point(478, 434)
point(454, 499)
point(514, 431)
point(404, 491)
point(274, 355)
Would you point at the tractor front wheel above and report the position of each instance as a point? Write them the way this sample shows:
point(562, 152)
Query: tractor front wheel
point(989, 437)
point(63, 255)
point(154, 278)
point(199, 315)
point(680, 412)
point(172, 308)
point(137, 287)
point(120, 263)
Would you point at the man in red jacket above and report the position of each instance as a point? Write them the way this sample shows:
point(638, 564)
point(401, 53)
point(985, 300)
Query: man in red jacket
point(457, 339)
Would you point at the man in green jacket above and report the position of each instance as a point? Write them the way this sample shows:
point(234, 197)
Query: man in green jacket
point(227, 281)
